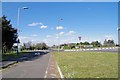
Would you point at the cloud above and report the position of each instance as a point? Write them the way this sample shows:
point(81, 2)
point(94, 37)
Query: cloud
point(43, 26)
point(59, 27)
point(71, 33)
point(35, 24)
point(34, 35)
point(48, 36)
point(23, 37)
point(61, 33)
point(108, 37)
point(57, 37)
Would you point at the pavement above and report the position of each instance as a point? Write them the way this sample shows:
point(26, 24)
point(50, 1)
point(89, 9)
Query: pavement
point(5, 64)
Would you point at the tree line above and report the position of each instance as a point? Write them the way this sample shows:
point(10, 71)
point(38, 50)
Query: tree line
point(107, 43)
point(38, 46)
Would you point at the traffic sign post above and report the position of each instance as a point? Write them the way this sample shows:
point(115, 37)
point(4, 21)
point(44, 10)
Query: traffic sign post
point(80, 40)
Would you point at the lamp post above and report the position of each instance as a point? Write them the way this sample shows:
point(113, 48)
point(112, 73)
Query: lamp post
point(58, 33)
point(18, 21)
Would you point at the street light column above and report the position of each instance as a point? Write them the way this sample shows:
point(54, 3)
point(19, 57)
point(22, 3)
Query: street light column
point(18, 20)
point(58, 33)
point(18, 29)
point(18, 17)
point(58, 36)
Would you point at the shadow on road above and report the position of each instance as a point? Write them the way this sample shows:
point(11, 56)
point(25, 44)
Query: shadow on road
point(26, 56)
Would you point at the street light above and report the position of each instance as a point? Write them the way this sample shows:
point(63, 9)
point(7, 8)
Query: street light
point(58, 33)
point(18, 20)
point(19, 14)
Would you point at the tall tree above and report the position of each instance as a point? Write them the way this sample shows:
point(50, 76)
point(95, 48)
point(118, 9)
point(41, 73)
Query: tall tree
point(9, 34)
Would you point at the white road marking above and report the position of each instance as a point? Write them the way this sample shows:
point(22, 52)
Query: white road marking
point(47, 67)
point(61, 75)
point(53, 75)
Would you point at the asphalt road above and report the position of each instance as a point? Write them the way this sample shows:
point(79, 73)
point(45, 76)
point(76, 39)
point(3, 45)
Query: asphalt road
point(33, 68)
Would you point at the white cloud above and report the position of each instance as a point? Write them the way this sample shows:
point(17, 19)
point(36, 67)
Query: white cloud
point(34, 35)
point(108, 37)
point(59, 27)
point(43, 26)
point(48, 36)
point(38, 24)
point(57, 37)
point(61, 33)
point(23, 37)
point(35, 24)
point(71, 33)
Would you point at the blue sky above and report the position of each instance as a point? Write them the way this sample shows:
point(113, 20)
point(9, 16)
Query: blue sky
point(90, 20)
point(60, 0)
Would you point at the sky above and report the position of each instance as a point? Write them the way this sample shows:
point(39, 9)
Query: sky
point(41, 22)
point(59, 0)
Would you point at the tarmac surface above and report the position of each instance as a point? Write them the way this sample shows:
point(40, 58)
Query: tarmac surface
point(31, 68)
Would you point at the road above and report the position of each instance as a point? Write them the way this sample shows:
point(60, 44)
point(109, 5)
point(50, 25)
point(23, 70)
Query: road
point(33, 68)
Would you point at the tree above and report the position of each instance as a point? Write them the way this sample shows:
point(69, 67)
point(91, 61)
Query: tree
point(42, 46)
point(96, 44)
point(9, 35)
point(0, 22)
point(86, 43)
point(109, 43)
point(0, 34)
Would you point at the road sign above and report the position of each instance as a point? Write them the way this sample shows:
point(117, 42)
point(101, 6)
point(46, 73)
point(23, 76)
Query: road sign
point(79, 37)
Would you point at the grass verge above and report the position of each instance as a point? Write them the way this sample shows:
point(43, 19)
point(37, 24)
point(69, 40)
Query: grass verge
point(11, 55)
point(88, 64)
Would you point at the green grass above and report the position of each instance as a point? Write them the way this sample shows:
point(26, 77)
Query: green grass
point(88, 64)
point(12, 54)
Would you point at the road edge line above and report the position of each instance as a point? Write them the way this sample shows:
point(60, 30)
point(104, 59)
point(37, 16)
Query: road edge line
point(61, 75)
point(47, 68)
